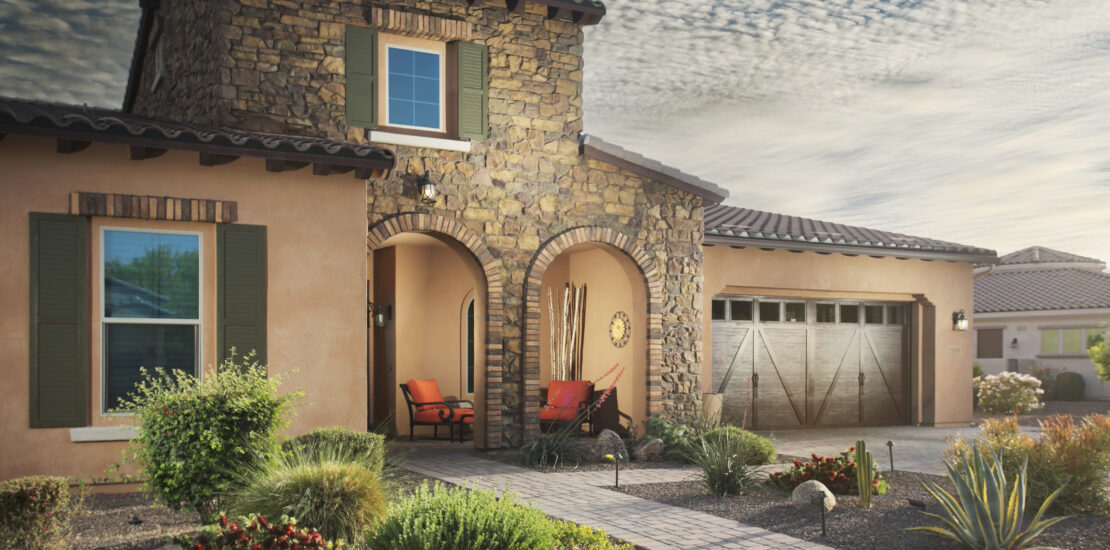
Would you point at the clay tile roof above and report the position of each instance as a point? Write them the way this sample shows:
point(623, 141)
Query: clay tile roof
point(744, 226)
point(1037, 290)
point(599, 149)
point(1040, 254)
point(75, 122)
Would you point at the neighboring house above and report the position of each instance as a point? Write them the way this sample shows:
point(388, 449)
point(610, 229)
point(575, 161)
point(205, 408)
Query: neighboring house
point(1037, 306)
point(371, 192)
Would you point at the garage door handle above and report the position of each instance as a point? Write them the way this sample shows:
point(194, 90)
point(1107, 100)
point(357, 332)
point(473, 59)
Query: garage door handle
point(755, 380)
point(861, 378)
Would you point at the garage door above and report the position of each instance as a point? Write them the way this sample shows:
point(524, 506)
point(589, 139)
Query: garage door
point(791, 363)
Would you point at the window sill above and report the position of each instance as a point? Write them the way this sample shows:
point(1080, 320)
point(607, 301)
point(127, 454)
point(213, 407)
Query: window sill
point(102, 433)
point(423, 142)
point(1062, 356)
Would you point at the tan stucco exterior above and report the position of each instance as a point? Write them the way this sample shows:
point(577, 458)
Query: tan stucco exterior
point(940, 373)
point(316, 320)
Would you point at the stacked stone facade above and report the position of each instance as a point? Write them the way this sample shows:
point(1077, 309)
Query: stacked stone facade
point(277, 66)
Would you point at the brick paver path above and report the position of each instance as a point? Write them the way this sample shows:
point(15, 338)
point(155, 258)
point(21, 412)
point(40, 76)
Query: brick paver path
point(583, 497)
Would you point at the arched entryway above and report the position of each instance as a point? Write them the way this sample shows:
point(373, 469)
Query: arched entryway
point(441, 290)
point(619, 277)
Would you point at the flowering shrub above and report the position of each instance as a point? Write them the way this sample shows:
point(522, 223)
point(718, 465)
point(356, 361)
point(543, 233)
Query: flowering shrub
point(195, 434)
point(34, 512)
point(1008, 392)
point(838, 473)
point(254, 533)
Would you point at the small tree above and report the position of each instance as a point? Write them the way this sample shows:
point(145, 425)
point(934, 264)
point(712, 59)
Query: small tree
point(1098, 349)
point(194, 435)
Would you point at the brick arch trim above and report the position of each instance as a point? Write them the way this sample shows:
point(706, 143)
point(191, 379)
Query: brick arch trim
point(533, 280)
point(491, 266)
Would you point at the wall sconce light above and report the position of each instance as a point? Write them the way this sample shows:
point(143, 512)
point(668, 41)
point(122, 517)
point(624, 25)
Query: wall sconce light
point(1013, 343)
point(379, 314)
point(959, 321)
point(427, 189)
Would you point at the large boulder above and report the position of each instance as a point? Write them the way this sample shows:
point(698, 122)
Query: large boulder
point(607, 443)
point(806, 493)
point(649, 450)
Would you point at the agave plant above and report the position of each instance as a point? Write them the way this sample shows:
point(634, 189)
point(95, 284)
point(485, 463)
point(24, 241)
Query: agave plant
point(981, 516)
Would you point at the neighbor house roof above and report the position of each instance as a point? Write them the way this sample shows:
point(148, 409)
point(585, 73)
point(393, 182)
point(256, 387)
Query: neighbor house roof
point(1042, 255)
point(1045, 289)
point(599, 149)
point(75, 127)
point(735, 226)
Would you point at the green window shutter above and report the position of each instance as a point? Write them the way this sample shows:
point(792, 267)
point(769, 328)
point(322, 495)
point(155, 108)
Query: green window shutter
point(362, 77)
point(473, 67)
point(59, 321)
point(241, 290)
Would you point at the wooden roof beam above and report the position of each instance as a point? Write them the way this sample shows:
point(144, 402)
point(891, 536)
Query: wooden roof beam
point(282, 165)
point(139, 152)
point(516, 6)
point(67, 146)
point(326, 169)
point(213, 159)
point(367, 173)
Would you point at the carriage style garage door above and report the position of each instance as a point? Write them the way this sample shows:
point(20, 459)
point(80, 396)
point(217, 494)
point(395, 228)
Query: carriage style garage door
point(810, 362)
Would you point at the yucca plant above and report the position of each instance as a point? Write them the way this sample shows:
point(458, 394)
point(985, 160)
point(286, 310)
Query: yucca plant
point(981, 516)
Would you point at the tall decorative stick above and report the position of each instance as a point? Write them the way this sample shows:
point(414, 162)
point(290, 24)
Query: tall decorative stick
point(551, 329)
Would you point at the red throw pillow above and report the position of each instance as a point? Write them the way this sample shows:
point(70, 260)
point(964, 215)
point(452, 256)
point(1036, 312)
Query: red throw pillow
point(567, 394)
point(425, 391)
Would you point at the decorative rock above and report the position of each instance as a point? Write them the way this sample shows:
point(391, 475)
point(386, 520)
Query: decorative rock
point(607, 443)
point(648, 450)
point(806, 493)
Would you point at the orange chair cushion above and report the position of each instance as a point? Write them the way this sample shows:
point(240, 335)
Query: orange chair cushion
point(425, 391)
point(432, 415)
point(567, 394)
point(556, 414)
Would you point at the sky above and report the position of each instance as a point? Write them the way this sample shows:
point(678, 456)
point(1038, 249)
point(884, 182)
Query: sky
point(982, 122)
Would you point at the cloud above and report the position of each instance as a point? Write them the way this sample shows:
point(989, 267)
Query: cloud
point(67, 51)
point(981, 122)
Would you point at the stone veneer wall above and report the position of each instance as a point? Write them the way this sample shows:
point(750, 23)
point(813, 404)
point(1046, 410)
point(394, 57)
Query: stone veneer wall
point(281, 70)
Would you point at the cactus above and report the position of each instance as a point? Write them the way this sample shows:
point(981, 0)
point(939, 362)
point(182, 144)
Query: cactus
point(865, 473)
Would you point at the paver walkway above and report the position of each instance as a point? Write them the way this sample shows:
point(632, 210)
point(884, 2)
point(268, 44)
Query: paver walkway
point(582, 497)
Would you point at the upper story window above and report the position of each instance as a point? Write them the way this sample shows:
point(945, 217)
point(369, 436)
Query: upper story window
point(151, 306)
point(414, 88)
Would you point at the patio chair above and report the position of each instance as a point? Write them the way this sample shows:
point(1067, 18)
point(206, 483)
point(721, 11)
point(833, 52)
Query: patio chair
point(566, 399)
point(427, 407)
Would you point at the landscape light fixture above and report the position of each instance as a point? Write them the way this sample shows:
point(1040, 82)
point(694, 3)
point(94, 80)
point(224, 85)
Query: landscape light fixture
point(959, 321)
point(427, 189)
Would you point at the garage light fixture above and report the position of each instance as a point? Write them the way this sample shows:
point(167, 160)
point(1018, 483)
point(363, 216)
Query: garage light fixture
point(959, 321)
point(427, 189)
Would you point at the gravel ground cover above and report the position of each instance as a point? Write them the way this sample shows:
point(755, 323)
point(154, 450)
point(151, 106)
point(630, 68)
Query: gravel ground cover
point(849, 525)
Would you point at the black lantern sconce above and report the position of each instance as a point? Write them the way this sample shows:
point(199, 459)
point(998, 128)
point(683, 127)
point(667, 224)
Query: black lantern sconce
point(1014, 344)
point(427, 189)
point(379, 314)
point(959, 321)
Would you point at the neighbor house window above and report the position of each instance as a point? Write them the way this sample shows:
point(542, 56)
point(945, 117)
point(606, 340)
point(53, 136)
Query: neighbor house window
point(1072, 340)
point(414, 85)
point(150, 292)
point(988, 343)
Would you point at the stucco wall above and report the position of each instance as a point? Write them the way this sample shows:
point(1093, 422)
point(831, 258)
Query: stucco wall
point(1026, 328)
point(947, 285)
point(316, 286)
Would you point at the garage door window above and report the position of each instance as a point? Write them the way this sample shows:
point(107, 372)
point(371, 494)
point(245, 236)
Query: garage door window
point(718, 310)
point(769, 312)
point(795, 312)
point(895, 315)
point(740, 310)
point(849, 314)
point(826, 313)
point(873, 315)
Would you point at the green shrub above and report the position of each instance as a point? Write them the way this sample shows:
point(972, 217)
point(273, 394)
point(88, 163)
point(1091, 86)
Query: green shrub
point(331, 488)
point(1070, 386)
point(1047, 375)
point(981, 516)
point(34, 512)
point(255, 532)
point(1068, 454)
point(724, 461)
point(461, 519)
point(757, 449)
point(837, 473)
point(571, 536)
point(194, 434)
point(370, 446)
